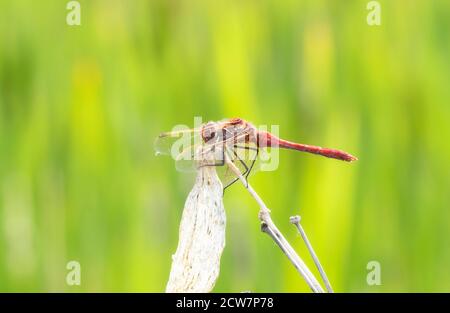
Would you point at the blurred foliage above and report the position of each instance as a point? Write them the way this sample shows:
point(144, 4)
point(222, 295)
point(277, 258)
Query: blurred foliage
point(80, 107)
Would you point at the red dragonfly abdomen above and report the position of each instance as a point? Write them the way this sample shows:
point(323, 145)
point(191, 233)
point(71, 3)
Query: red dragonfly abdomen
point(266, 139)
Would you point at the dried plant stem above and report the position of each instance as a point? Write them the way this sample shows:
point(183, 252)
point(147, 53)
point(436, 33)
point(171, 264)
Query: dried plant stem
point(295, 220)
point(196, 262)
point(268, 226)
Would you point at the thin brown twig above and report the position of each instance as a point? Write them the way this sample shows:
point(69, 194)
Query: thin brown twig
point(269, 227)
point(295, 220)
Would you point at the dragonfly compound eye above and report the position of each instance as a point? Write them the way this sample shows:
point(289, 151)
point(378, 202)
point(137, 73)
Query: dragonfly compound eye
point(208, 132)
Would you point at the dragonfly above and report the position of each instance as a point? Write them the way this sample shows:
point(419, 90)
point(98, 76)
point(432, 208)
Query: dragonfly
point(235, 140)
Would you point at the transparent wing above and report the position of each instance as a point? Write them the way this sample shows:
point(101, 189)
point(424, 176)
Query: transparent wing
point(177, 141)
point(187, 149)
point(181, 146)
point(167, 143)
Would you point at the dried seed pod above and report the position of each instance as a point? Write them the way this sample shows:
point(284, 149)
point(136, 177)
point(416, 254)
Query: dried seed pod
point(196, 262)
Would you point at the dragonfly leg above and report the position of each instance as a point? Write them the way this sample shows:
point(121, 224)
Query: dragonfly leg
point(253, 161)
point(237, 178)
point(247, 168)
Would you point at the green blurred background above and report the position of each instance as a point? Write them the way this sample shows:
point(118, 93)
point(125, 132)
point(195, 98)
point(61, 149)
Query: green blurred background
point(80, 107)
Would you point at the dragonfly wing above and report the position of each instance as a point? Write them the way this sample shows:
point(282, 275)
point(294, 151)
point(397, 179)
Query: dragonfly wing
point(181, 145)
point(185, 159)
point(171, 143)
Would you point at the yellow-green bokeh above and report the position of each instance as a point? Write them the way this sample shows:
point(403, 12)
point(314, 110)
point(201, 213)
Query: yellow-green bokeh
point(80, 107)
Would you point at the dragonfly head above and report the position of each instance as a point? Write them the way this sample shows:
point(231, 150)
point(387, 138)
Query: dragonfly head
point(209, 131)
